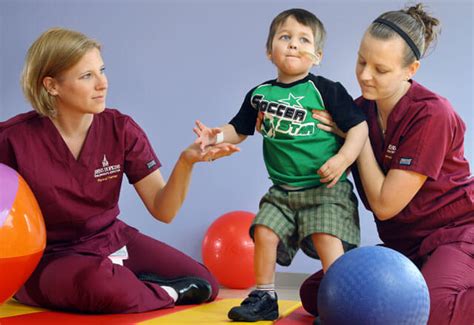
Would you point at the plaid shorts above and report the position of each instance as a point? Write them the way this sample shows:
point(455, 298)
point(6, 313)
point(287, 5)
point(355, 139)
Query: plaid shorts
point(295, 215)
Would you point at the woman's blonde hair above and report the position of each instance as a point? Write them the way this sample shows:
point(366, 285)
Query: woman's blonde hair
point(54, 52)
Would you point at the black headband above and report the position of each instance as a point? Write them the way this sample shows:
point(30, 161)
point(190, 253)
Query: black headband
point(400, 32)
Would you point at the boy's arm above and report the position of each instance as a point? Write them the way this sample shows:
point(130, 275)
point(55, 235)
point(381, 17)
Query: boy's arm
point(354, 142)
point(230, 135)
point(214, 136)
point(333, 168)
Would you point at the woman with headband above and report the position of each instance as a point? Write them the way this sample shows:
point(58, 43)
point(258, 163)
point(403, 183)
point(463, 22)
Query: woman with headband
point(412, 173)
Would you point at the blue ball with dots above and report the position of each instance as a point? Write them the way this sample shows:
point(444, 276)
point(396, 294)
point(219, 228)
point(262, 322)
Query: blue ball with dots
point(373, 285)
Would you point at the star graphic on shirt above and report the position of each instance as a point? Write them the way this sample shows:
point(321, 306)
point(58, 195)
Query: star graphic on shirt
point(292, 100)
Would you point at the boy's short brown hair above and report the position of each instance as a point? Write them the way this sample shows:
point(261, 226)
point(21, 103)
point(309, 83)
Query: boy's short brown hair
point(305, 18)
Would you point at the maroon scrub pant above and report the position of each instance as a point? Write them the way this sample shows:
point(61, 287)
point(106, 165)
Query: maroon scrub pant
point(93, 284)
point(449, 274)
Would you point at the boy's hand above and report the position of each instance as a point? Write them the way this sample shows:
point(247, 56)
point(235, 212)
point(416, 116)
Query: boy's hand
point(206, 136)
point(332, 169)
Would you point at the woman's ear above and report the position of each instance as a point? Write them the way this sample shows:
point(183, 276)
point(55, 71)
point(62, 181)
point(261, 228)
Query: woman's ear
point(412, 69)
point(50, 84)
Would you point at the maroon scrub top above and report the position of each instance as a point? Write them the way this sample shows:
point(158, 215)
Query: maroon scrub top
point(424, 135)
point(79, 198)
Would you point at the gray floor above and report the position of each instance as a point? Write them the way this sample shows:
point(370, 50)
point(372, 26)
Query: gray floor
point(287, 287)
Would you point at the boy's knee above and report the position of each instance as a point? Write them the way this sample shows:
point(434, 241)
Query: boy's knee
point(265, 234)
point(325, 239)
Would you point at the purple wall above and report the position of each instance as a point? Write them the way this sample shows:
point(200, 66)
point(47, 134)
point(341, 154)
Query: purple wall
point(171, 62)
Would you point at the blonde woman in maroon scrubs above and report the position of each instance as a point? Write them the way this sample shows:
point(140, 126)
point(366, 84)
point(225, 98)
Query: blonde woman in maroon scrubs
point(412, 173)
point(74, 152)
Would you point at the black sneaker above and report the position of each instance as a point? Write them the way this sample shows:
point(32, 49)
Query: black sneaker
point(259, 305)
point(191, 290)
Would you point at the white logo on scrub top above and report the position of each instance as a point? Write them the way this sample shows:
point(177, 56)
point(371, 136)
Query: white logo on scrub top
point(107, 171)
point(391, 149)
point(105, 162)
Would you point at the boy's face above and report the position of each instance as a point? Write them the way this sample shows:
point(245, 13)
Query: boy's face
point(290, 43)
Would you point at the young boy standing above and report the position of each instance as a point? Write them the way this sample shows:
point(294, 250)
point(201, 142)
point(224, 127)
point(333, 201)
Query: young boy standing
point(299, 210)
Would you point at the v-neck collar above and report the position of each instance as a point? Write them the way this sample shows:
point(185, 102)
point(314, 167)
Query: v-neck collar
point(62, 147)
point(396, 113)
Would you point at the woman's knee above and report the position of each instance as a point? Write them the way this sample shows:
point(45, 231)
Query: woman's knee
point(207, 275)
point(90, 287)
point(449, 275)
point(103, 291)
point(451, 305)
point(309, 292)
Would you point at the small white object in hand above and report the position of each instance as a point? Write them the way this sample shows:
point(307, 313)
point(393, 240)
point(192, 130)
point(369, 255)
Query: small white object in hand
point(220, 137)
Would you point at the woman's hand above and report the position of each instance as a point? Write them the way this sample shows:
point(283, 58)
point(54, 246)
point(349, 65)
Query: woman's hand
point(258, 124)
point(206, 136)
point(327, 123)
point(193, 153)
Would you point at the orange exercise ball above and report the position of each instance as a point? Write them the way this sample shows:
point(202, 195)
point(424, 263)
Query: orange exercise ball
point(22, 232)
point(228, 250)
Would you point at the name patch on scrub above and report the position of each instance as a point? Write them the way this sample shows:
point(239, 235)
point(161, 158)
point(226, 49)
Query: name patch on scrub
point(151, 163)
point(405, 161)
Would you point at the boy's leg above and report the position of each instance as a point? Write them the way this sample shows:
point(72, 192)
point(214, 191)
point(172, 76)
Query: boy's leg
point(449, 274)
point(266, 242)
point(261, 304)
point(328, 247)
point(326, 216)
point(274, 234)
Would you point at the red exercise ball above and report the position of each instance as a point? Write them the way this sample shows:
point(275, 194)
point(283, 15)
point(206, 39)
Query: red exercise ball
point(228, 250)
point(22, 232)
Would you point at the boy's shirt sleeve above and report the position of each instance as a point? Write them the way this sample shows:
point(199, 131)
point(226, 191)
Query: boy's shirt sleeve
point(341, 105)
point(245, 120)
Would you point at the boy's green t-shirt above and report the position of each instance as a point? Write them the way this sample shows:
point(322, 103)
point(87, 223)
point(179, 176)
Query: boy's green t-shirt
point(294, 148)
